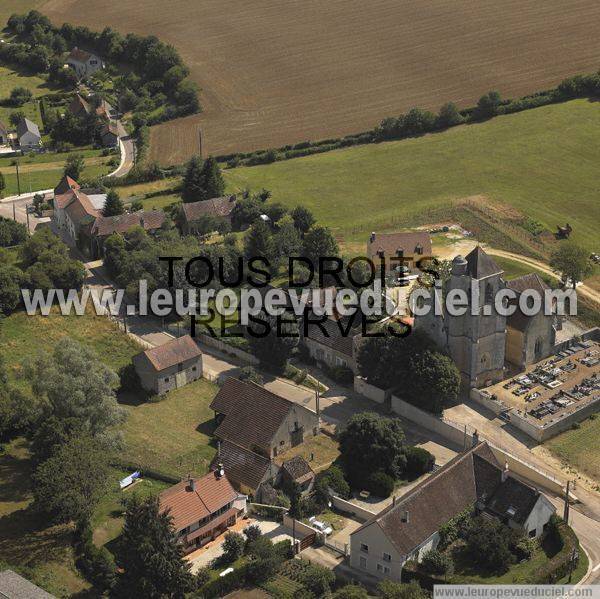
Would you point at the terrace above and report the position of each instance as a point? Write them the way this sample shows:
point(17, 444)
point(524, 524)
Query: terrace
point(554, 388)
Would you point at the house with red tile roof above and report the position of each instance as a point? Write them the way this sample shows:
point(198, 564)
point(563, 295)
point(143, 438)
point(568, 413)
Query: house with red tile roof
point(169, 366)
point(405, 248)
point(74, 212)
point(202, 508)
point(192, 213)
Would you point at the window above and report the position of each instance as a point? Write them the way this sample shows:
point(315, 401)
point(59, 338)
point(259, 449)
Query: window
point(489, 293)
point(400, 252)
point(532, 533)
point(382, 569)
point(364, 547)
point(193, 369)
point(166, 379)
point(387, 557)
point(363, 563)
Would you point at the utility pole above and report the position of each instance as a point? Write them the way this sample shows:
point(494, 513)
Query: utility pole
point(567, 508)
point(317, 398)
point(27, 214)
point(16, 162)
point(200, 139)
point(14, 211)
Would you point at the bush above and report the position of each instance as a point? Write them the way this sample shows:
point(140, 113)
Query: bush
point(96, 563)
point(436, 562)
point(233, 546)
point(252, 533)
point(560, 534)
point(250, 374)
point(380, 484)
point(129, 378)
point(332, 478)
point(418, 462)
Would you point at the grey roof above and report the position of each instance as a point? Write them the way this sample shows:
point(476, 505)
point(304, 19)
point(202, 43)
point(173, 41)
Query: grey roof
point(480, 265)
point(14, 586)
point(25, 126)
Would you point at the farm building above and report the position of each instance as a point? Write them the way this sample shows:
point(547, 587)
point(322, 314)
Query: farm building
point(409, 527)
point(109, 134)
point(259, 420)
point(192, 213)
point(28, 134)
point(74, 213)
point(79, 107)
point(84, 63)
point(202, 508)
point(297, 471)
point(169, 366)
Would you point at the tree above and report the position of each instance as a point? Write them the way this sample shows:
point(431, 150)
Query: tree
point(488, 105)
point(74, 166)
point(319, 243)
point(11, 233)
point(233, 546)
point(351, 591)
point(20, 96)
point(572, 262)
point(287, 239)
point(18, 411)
point(252, 533)
point(113, 205)
point(15, 117)
point(245, 212)
point(387, 589)
point(2, 184)
point(433, 383)
point(203, 180)
point(488, 544)
point(77, 385)
point(418, 462)
point(69, 484)
point(369, 439)
point(303, 219)
point(151, 558)
point(259, 242)
point(380, 484)
point(278, 338)
point(449, 116)
point(250, 374)
point(11, 279)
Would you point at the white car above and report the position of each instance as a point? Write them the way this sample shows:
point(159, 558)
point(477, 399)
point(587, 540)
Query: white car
point(320, 526)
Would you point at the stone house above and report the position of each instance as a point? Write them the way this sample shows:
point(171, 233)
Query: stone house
point(252, 417)
point(109, 135)
point(297, 470)
point(249, 472)
point(202, 508)
point(193, 212)
point(529, 339)
point(28, 135)
point(84, 63)
point(74, 212)
point(402, 248)
point(79, 107)
point(169, 366)
point(408, 528)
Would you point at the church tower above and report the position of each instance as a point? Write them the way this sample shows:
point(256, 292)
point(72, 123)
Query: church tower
point(476, 340)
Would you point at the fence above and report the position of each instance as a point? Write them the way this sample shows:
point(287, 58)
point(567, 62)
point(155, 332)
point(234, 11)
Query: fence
point(351, 508)
point(370, 391)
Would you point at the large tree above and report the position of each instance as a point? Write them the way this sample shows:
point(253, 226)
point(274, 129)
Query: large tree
point(69, 484)
point(150, 556)
point(202, 180)
point(319, 243)
point(433, 381)
point(370, 442)
point(260, 243)
point(572, 262)
point(303, 219)
point(113, 206)
point(74, 166)
point(77, 385)
point(2, 184)
point(488, 544)
point(11, 279)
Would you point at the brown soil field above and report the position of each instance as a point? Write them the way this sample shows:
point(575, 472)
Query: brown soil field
point(274, 72)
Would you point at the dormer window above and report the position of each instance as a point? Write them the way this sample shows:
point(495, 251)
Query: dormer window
point(380, 253)
point(419, 249)
point(400, 252)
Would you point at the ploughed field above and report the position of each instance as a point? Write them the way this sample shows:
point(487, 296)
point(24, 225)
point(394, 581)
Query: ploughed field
point(275, 72)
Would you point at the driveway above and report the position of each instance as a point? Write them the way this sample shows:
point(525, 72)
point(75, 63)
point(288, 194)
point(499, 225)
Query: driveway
point(272, 530)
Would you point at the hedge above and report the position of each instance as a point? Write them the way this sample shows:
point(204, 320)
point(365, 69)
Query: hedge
point(557, 567)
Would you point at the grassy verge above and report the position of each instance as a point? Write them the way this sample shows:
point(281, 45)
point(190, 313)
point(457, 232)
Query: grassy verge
point(514, 269)
point(511, 159)
point(580, 447)
point(172, 435)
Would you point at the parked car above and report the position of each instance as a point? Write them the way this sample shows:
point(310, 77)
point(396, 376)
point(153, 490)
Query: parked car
point(320, 526)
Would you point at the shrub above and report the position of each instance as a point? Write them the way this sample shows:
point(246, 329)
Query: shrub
point(252, 533)
point(233, 546)
point(560, 534)
point(418, 462)
point(380, 484)
point(437, 562)
point(129, 378)
point(250, 374)
point(332, 478)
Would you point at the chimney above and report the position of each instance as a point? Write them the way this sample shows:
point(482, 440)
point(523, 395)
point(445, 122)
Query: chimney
point(475, 438)
point(220, 471)
point(372, 237)
point(191, 483)
point(394, 500)
point(505, 472)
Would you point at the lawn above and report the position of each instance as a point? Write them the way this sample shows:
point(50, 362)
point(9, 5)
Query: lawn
point(319, 451)
point(514, 269)
point(512, 160)
point(580, 447)
point(9, 79)
point(40, 552)
point(22, 335)
point(173, 435)
point(107, 520)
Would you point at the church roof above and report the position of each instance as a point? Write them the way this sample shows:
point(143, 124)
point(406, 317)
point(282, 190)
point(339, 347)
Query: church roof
point(480, 265)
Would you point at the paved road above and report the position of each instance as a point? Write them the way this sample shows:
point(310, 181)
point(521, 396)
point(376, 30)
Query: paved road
point(127, 157)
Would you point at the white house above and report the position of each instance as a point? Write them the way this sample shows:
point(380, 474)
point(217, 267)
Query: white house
point(28, 134)
point(84, 63)
point(409, 527)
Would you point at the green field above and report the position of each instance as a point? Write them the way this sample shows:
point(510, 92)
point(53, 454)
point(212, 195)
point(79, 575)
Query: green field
point(544, 162)
point(514, 269)
point(172, 435)
point(580, 447)
point(9, 79)
point(9, 7)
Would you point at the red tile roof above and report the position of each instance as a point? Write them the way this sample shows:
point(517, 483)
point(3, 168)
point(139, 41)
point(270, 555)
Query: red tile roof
point(65, 186)
point(79, 55)
point(172, 353)
point(78, 105)
point(188, 505)
point(78, 206)
point(220, 207)
point(148, 219)
point(242, 466)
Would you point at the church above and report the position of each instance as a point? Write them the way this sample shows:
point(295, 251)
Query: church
point(482, 341)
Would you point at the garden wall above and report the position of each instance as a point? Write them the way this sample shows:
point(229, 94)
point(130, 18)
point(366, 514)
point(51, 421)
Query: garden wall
point(242, 355)
point(350, 508)
point(371, 391)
